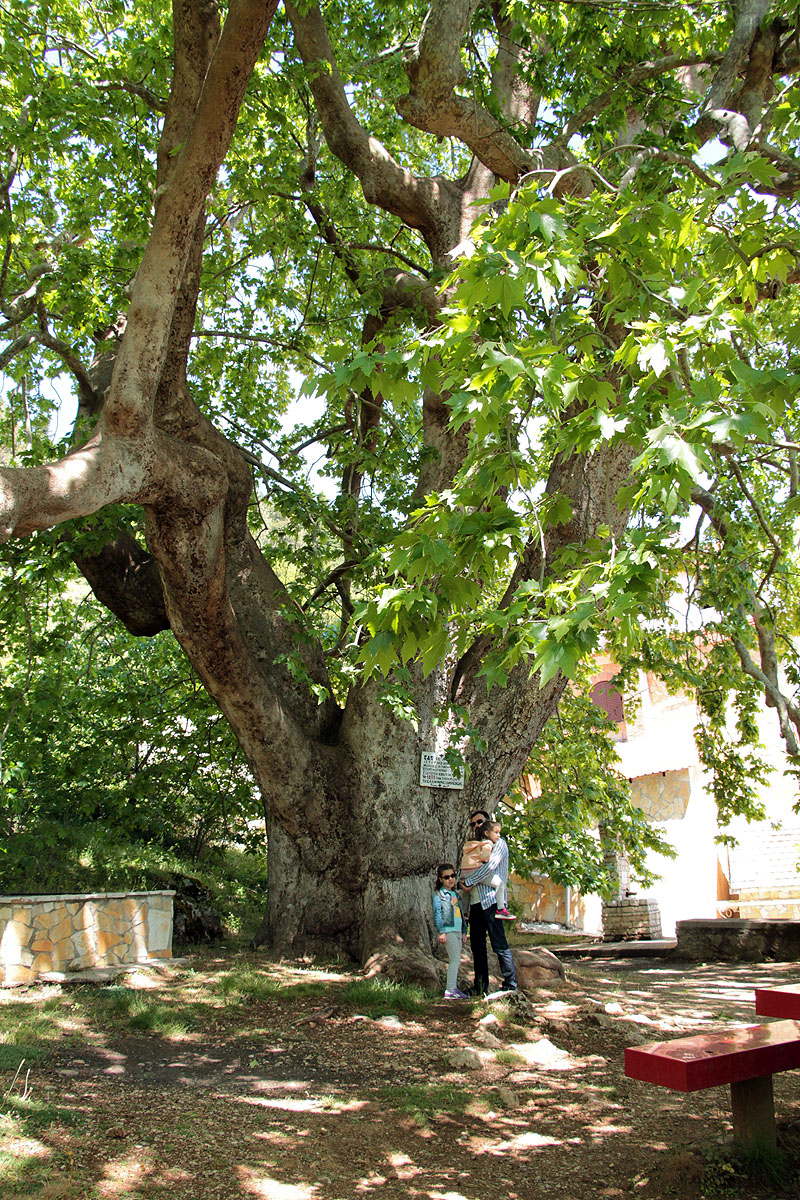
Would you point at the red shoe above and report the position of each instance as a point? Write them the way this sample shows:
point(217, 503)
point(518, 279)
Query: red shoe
point(503, 914)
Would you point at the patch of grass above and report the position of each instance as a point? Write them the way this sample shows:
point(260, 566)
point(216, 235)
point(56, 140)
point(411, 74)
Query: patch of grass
point(157, 1018)
point(509, 1057)
point(312, 987)
point(382, 997)
point(140, 1012)
point(17, 1174)
point(11, 1056)
point(30, 1115)
point(501, 1010)
point(764, 1165)
point(239, 986)
point(243, 984)
point(28, 1033)
point(424, 1102)
point(331, 1103)
point(23, 1119)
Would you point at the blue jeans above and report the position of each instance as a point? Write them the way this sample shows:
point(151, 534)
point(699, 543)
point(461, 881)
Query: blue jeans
point(481, 922)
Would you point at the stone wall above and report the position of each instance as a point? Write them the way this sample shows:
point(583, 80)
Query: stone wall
point(72, 933)
point(763, 871)
point(540, 899)
point(738, 941)
point(774, 904)
point(663, 795)
point(630, 919)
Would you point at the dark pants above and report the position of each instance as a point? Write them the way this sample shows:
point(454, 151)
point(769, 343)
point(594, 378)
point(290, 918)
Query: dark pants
point(481, 922)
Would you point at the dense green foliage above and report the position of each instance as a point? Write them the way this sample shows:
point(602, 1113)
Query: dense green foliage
point(638, 305)
point(702, 384)
point(116, 771)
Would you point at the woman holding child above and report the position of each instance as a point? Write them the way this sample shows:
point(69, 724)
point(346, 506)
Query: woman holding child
point(487, 879)
point(484, 876)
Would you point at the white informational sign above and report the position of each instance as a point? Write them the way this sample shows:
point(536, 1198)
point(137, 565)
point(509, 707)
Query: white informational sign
point(436, 772)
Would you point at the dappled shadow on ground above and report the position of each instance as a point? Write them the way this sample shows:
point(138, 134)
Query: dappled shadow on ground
point(700, 992)
point(288, 1094)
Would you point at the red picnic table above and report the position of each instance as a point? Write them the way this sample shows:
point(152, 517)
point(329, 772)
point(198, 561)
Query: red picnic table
point(783, 1001)
point(746, 1058)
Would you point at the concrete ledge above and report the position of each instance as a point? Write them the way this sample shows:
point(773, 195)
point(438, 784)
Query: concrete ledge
point(29, 898)
point(104, 975)
point(640, 948)
point(758, 939)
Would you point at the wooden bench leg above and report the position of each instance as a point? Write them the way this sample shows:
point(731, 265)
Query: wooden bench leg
point(753, 1111)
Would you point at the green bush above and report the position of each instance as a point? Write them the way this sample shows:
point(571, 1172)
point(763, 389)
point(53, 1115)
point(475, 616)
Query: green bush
point(61, 858)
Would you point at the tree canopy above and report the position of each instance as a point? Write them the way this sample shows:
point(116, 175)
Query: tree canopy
point(537, 265)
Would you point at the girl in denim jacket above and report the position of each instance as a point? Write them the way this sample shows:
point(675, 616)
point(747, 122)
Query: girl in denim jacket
point(451, 926)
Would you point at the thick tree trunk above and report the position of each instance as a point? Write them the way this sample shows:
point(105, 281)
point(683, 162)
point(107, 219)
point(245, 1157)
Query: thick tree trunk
point(365, 895)
point(354, 876)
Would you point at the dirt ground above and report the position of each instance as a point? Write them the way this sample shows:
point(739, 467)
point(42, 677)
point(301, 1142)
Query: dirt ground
point(308, 1099)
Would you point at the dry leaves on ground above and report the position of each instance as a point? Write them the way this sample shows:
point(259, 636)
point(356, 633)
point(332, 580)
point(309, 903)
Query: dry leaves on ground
point(291, 1096)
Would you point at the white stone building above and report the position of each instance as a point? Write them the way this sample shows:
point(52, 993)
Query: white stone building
point(757, 878)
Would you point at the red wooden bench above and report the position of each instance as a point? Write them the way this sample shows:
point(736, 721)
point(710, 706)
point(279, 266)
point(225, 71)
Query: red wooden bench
point(783, 1001)
point(745, 1058)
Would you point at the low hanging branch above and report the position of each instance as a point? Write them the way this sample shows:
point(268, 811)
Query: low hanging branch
point(121, 461)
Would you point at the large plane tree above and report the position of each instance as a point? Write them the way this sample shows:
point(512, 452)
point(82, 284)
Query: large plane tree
point(535, 263)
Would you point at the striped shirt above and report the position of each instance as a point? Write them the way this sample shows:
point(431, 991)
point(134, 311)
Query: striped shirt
point(497, 865)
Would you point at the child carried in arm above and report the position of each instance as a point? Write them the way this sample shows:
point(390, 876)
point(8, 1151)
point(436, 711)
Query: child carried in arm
point(478, 852)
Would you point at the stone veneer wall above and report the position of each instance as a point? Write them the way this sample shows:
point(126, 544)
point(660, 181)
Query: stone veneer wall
point(664, 795)
point(72, 933)
point(631, 918)
point(738, 940)
point(763, 872)
point(538, 898)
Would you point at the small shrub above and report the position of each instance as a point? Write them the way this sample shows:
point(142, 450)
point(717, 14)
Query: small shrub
point(731, 1172)
point(767, 1166)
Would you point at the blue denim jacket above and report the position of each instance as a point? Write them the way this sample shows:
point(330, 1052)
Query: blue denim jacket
point(446, 905)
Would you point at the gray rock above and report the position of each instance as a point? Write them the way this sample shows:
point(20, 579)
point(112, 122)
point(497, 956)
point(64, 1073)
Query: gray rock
point(484, 1038)
point(490, 1021)
point(390, 1021)
point(506, 1098)
point(468, 1060)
